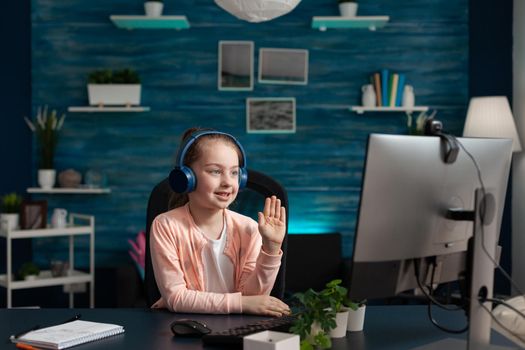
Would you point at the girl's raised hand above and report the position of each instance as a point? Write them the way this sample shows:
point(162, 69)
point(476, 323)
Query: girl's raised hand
point(272, 225)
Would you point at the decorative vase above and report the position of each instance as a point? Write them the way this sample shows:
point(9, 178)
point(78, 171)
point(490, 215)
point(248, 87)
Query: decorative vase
point(409, 98)
point(9, 221)
point(368, 97)
point(348, 9)
point(153, 8)
point(356, 319)
point(341, 321)
point(46, 178)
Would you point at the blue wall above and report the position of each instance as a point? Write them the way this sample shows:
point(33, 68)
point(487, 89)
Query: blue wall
point(320, 165)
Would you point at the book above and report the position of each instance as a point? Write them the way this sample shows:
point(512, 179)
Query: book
point(400, 87)
point(377, 87)
point(393, 89)
point(384, 87)
point(68, 334)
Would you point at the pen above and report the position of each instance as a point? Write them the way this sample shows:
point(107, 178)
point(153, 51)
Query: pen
point(25, 346)
point(74, 318)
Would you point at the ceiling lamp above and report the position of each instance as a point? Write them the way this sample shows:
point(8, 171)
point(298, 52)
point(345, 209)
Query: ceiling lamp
point(257, 10)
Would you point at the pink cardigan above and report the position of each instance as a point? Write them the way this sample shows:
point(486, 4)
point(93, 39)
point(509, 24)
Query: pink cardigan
point(176, 245)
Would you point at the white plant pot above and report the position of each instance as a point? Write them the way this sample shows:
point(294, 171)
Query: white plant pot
point(9, 221)
point(46, 178)
point(348, 9)
point(153, 8)
point(114, 94)
point(30, 277)
point(341, 320)
point(356, 319)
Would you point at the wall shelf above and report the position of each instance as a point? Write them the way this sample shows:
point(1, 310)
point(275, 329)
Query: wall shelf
point(338, 22)
point(147, 22)
point(361, 109)
point(107, 109)
point(66, 190)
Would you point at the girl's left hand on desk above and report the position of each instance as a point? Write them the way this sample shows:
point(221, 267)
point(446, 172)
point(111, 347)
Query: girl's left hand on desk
point(272, 225)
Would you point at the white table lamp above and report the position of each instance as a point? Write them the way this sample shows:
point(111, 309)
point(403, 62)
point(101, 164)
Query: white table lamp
point(491, 117)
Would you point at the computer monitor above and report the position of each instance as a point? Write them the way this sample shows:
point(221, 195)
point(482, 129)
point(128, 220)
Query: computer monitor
point(407, 197)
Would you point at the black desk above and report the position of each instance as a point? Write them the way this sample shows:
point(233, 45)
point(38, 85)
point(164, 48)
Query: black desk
point(386, 327)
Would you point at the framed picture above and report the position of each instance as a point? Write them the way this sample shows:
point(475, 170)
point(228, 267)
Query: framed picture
point(283, 66)
point(235, 72)
point(270, 115)
point(33, 215)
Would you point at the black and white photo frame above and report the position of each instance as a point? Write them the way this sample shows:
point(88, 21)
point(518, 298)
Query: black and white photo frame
point(235, 69)
point(270, 115)
point(283, 66)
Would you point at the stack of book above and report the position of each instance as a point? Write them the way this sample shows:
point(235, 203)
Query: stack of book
point(388, 87)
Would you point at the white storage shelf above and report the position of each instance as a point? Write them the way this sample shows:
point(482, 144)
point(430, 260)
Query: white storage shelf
point(69, 190)
point(78, 225)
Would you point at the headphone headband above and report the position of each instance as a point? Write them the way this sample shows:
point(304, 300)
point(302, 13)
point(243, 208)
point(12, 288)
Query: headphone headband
point(194, 136)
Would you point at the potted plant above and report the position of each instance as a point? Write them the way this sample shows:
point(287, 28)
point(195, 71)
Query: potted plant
point(323, 315)
point(10, 211)
point(348, 8)
point(153, 8)
point(47, 128)
point(356, 315)
point(28, 271)
point(120, 87)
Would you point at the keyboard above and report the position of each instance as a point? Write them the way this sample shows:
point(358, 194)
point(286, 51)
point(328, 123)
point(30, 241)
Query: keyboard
point(234, 336)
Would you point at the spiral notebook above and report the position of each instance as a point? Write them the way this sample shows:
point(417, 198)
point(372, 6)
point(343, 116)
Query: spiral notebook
point(69, 334)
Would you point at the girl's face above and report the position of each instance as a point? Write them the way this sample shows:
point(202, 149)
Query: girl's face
point(217, 172)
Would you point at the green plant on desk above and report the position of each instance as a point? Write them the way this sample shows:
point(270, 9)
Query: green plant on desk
point(317, 315)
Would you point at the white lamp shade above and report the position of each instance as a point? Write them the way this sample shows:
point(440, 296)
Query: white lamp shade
point(491, 117)
point(257, 10)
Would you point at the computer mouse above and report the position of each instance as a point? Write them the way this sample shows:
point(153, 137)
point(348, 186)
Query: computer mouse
point(189, 328)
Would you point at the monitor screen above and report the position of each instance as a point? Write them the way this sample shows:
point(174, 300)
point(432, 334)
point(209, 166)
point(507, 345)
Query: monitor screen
point(406, 193)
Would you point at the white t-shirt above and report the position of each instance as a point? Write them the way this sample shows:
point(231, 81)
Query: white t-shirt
point(218, 267)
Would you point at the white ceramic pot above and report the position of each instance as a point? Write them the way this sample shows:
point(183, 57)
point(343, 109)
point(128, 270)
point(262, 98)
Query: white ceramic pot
point(356, 319)
point(409, 99)
point(348, 9)
point(153, 8)
point(114, 94)
point(341, 321)
point(9, 221)
point(46, 178)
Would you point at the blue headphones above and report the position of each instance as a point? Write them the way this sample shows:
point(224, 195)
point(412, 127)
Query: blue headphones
point(183, 180)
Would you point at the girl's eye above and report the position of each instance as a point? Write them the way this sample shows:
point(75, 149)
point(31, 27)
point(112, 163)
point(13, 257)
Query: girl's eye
point(215, 172)
point(235, 173)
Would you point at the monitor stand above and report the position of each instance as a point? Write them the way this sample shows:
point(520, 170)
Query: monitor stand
point(480, 275)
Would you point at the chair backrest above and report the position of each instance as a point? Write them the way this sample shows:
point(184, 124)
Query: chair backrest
point(249, 201)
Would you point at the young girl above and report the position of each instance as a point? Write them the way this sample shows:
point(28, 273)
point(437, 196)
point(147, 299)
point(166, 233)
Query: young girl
point(206, 258)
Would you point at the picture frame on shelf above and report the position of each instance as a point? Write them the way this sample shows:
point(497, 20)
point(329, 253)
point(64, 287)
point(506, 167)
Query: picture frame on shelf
point(33, 215)
point(235, 70)
point(270, 115)
point(283, 66)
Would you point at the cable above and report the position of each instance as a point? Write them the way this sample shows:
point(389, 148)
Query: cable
point(503, 303)
point(430, 298)
point(519, 336)
point(482, 216)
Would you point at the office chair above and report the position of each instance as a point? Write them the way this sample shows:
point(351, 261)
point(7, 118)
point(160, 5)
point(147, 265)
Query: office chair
point(249, 201)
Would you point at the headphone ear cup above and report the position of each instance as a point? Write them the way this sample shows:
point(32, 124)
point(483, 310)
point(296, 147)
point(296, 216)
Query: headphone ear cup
point(182, 180)
point(243, 178)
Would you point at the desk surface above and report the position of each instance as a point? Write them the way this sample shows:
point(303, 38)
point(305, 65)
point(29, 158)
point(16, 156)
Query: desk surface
point(386, 327)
